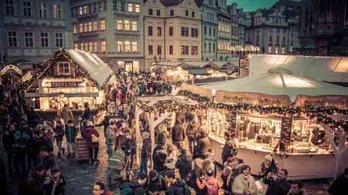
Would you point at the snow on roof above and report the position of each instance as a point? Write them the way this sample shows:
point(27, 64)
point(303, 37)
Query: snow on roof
point(279, 81)
point(330, 69)
point(96, 68)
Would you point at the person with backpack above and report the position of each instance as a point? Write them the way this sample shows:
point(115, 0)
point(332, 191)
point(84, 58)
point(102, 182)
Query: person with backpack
point(156, 184)
point(184, 164)
point(135, 187)
point(176, 186)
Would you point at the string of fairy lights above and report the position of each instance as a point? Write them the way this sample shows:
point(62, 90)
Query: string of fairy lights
point(319, 114)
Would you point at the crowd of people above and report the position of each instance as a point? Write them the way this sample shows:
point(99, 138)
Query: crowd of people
point(180, 161)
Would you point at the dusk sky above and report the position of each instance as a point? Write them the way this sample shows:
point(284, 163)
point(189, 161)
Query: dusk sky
point(251, 5)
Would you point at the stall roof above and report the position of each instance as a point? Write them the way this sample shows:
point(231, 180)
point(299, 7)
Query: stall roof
point(198, 71)
point(330, 69)
point(96, 68)
point(91, 65)
point(194, 65)
point(279, 81)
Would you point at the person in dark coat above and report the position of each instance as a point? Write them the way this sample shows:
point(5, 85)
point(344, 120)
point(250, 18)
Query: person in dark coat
point(159, 157)
point(278, 184)
point(129, 146)
point(157, 183)
point(93, 145)
point(176, 186)
point(70, 133)
point(34, 183)
point(8, 141)
point(138, 186)
point(184, 164)
point(230, 149)
point(145, 152)
point(58, 135)
point(203, 145)
point(191, 133)
point(178, 134)
point(339, 186)
point(56, 183)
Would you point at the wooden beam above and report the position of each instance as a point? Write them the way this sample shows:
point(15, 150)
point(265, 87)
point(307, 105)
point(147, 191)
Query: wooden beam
point(160, 119)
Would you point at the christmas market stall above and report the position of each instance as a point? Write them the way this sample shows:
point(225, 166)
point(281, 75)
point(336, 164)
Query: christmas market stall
point(274, 112)
point(70, 77)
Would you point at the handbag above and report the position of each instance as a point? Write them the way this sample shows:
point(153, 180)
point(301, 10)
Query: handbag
point(95, 139)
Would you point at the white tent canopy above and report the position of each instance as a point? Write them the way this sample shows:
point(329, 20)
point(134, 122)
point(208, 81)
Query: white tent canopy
point(96, 68)
point(278, 81)
point(331, 69)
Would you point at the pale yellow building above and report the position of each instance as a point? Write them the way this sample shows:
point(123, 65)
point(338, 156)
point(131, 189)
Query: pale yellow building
point(172, 31)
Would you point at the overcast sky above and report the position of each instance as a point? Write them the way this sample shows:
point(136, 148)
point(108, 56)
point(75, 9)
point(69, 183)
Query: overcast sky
point(251, 5)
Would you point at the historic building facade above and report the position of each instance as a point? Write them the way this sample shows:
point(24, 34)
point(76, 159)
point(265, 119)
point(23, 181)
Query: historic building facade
point(209, 32)
point(31, 30)
point(224, 31)
point(113, 29)
point(324, 27)
point(172, 31)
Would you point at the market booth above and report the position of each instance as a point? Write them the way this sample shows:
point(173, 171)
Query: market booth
point(70, 77)
point(294, 139)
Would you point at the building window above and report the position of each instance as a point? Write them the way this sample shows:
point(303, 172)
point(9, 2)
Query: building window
point(193, 14)
point(205, 30)
point(90, 27)
point(194, 50)
point(127, 46)
point(270, 38)
point(283, 40)
point(29, 39)
point(102, 25)
point(27, 8)
point(158, 12)
point(184, 50)
point(57, 11)
point(76, 46)
point(205, 46)
point(95, 26)
point(114, 4)
point(276, 51)
point(137, 8)
point(63, 68)
point(194, 32)
point(277, 40)
point(159, 31)
point(159, 49)
point(134, 26)
point(171, 12)
point(150, 50)
point(186, 13)
point(103, 46)
point(74, 28)
point(150, 12)
point(283, 50)
point(171, 31)
point(213, 47)
point(59, 40)
point(81, 28)
point(134, 46)
point(102, 6)
point(184, 31)
point(130, 7)
point(209, 31)
point(214, 31)
point(9, 8)
point(209, 47)
point(123, 6)
point(127, 25)
point(171, 50)
point(119, 46)
point(119, 25)
point(44, 40)
point(95, 48)
point(43, 10)
point(149, 30)
point(85, 27)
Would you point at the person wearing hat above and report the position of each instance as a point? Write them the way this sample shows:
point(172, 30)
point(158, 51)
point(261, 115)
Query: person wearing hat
point(91, 135)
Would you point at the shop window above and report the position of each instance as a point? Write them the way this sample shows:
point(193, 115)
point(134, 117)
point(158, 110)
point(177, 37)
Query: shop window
point(64, 68)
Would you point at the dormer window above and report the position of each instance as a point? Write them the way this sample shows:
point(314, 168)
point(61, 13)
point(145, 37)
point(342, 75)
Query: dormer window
point(64, 68)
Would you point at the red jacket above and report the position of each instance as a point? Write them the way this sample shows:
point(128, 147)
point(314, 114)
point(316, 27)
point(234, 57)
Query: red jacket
point(87, 135)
